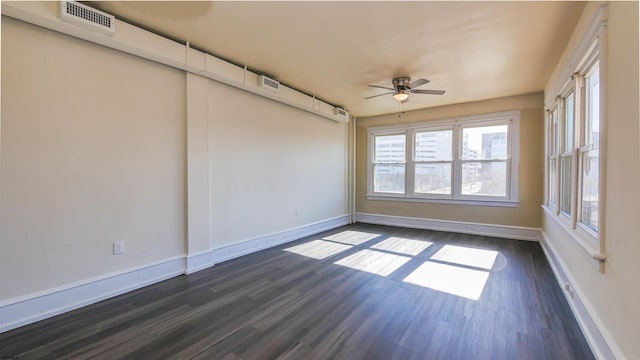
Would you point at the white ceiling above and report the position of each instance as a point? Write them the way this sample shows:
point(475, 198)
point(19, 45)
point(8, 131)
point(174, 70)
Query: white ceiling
point(473, 50)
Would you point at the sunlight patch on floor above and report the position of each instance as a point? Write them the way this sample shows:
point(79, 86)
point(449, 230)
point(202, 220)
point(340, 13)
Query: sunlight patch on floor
point(402, 245)
point(318, 249)
point(450, 279)
point(351, 237)
point(461, 255)
point(375, 262)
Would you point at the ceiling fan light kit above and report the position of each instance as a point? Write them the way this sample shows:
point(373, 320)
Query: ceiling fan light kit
point(401, 95)
point(403, 87)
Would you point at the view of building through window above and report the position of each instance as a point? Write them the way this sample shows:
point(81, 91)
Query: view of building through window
point(389, 168)
point(433, 162)
point(484, 155)
point(448, 161)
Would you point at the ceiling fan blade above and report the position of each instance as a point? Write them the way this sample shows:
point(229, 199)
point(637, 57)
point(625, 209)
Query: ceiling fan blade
point(419, 82)
point(382, 87)
point(387, 93)
point(430, 92)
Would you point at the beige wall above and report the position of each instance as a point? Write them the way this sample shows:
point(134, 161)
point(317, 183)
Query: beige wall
point(527, 213)
point(93, 151)
point(273, 167)
point(614, 295)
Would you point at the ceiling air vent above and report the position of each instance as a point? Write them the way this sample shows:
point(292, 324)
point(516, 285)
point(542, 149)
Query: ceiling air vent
point(87, 17)
point(268, 84)
point(341, 113)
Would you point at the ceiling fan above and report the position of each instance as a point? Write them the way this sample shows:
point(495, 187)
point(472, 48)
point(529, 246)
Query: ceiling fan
point(403, 87)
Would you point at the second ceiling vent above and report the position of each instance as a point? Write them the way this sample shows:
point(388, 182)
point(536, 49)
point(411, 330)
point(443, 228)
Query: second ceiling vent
point(268, 84)
point(87, 17)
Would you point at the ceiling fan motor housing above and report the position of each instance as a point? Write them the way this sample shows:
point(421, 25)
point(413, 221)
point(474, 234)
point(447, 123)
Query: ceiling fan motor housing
point(401, 82)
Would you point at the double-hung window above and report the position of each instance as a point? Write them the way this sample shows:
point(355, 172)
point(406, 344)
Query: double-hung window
point(389, 165)
point(470, 160)
point(566, 154)
point(433, 161)
point(574, 124)
point(590, 152)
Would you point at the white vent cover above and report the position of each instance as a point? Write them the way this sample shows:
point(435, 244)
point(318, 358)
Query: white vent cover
point(341, 113)
point(268, 84)
point(87, 17)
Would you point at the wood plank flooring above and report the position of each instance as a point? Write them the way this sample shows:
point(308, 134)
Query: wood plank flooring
point(357, 292)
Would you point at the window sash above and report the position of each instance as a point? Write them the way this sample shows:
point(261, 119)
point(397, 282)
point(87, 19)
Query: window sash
point(441, 191)
point(589, 174)
point(566, 186)
point(553, 181)
point(479, 195)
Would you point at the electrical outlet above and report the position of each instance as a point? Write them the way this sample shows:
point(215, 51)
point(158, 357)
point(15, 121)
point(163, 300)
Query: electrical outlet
point(568, 289)
point(118, 247)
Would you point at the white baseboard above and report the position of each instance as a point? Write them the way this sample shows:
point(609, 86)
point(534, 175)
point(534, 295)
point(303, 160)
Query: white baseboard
point(197, 262)
point(28, 309)
point(597, 335)
point(44, 304)
point(502, 231)
point(274, 239)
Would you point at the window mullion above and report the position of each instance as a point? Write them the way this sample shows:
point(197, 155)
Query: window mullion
point(581, 114)
point(575, 159)
point(409, 171)
point(456, 177)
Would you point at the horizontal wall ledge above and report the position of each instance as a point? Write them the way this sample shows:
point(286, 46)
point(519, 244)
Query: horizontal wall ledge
point(142, 43)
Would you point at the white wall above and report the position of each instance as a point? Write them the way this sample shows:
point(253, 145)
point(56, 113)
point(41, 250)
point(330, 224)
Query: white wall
point(93, 151)
point(273, 167)
point(612, 297)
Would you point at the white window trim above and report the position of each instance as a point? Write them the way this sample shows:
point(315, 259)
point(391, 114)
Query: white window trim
point(513, 156)
point(592, 48)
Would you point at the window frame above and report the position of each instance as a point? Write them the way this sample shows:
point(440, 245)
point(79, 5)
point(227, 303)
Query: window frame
point(585, 145)
point(372, 151)
point(592, 241)
point(412, 152)
point(567, 152)
point(509, 118)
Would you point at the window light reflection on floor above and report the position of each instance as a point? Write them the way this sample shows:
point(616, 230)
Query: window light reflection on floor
point(375, 262)
point(318, 249)
point(450, 279)
point(351, 237)
point(402, 245)
point(462, 255)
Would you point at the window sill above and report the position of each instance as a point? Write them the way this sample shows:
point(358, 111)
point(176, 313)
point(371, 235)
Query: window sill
point(587, 243)
point(474, 202)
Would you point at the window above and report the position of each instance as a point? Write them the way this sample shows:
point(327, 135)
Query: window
point(469, 160)
point(484, 160)
point(590, 152)
point(433, 162)
point(573, 155)
point(576, 148)
point(389, 163)
point(567, 154)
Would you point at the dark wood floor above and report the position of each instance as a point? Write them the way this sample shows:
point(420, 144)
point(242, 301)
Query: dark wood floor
point(282, 303)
